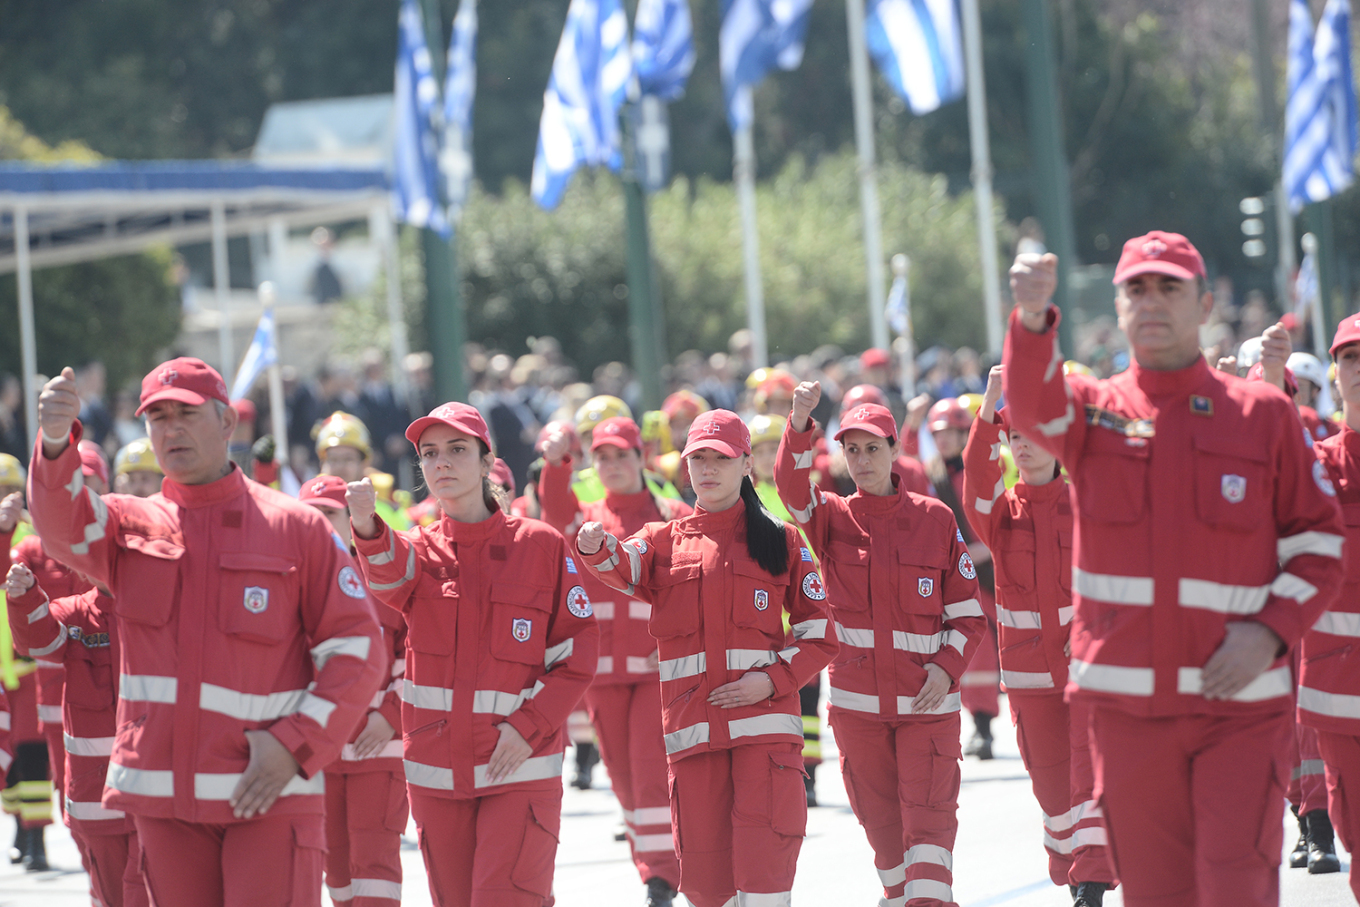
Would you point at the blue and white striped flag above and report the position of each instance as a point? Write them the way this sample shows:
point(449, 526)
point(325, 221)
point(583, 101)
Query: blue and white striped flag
point(1306, 284)
point(898, 307)
point(1320, 116)
point(263, 352)
point(589, 81)
point(460, 88)
point(663, 47)
point(918, 45)
point(756, 36)
point(415, 177)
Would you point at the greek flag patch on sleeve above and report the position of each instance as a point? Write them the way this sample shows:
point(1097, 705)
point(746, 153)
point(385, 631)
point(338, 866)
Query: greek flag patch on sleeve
point(807, 555)
point(571, 565)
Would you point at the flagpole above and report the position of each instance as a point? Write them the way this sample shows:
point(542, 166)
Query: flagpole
point(980, 141)
point(868, 173)
point(901, 266)
point(1309, 243)
point(277, 421)
point(743, 174)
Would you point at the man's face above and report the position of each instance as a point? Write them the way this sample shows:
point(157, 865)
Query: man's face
point(345, 462)
point(141, 483)
point(1161, 316)
point(190, 441)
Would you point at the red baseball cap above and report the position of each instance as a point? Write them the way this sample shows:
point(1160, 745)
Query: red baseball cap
point(721, 430)
point(185, 380)
point(870, 417)
point(1159, 253)
point(325, 492)
point(1347, 332)
point(874, 358)
point(92, 461)
point(458, 416)
point(618, 432)
point(245, 410)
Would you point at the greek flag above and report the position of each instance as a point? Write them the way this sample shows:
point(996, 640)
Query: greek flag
point(415, 186)
point(663, 47)
point(1320, 115)
point(1306, 284)
point(756, 36)
point(918, 45)
point(263, 352)
point(460, 87)
point(589, 80)
point(898, 307)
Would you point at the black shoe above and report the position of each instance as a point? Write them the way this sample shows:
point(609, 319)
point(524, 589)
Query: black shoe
point(810, 785)
point(1298, 857)
point(1090, 894)
point(659, 893)
point(1321, 851)
point(16, 851)
point(980, 744)
point(587, 756)
point(621, 834)
point(35, 860)
point(1073, 889)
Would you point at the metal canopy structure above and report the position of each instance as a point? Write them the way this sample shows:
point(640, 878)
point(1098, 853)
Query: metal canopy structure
point(56, 215)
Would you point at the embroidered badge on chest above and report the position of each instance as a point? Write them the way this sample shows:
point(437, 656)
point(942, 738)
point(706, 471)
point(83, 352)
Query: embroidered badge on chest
point(925, 585)
point(762, 599)
point(521, 629)
point(578, 603)
point(813, 588)
point(256, 599)
point(1234, 488)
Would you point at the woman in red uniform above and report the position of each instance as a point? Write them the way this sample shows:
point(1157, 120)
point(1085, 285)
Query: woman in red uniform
point(501, 646)
point(624, 701)
point(904, 597)
point(719, 581)
point(1030, 528)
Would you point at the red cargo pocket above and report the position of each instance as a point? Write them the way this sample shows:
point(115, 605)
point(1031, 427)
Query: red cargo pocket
point(675, 610)
point(946, 752)
point(309, 852)
point(89, 676)
point(153, 566)
point(788, 795)
point(519, 622)
point(258, 597)
point(397, 808)
point(533, 870)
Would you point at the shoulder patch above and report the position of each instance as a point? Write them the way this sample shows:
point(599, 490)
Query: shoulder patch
point(958, 534)
point(966, 567)
point(578, 603)
point(806, 554)
point(350, 584)
point(1323, 481)
point(813, 587)
point(571, 565)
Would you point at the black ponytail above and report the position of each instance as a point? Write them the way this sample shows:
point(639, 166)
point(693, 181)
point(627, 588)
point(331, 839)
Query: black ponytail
point(765, 539)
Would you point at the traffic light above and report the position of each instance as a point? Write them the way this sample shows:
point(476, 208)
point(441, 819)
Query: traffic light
point(1253, 226)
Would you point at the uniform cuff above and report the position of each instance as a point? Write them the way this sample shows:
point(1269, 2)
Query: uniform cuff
point(377, 543)
point(308, 759)
point(781, 675)
point(527, 727)
point(56, 473)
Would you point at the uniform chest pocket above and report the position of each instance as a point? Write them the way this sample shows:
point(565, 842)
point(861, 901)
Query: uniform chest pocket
point(1233, 488)
point(89, 675)
point(847, 567)
point(1016, 554)
point(1065, 554)
point(519, 622)
point(433, 615)
point(921, 573)
point(1113, 480)
point(758, 598)
point(147, 583)
point(258, 597)
point(675, 612)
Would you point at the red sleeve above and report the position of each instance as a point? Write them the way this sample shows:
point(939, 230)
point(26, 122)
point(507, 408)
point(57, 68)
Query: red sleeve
point(1043, 406)
point(793, 478)
point(37, 631)
point(983, 482)
point(812, 645)
point(394, 638)
point(627, 565)
point(561, 509)
point(964, 623)
point(78, 526)
point(388, 561)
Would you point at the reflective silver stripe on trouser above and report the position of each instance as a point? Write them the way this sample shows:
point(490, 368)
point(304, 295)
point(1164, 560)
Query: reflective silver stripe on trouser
point(538, 768)
point(1118, 590)
point(91, 812)
point(761, 899)
point(1063, 821)
point(895, 876)
point(1111, 678)
point(778, 723)
point(1018, 620)
point(376, 888)
point(88, 746)
point(1026, 680)
point(47, 714)
point(5, 720)
point(409, 575)
point(952, 703)
point(928, 888)
point(431, 776)
point(1093, 836)
point(1309, 768)
point(212, 786)
point(1338, 623)
point(932, 854)
point(686, 737)
point(147, 688)
point(354, 646)
point(1269, 685)
point(1222, 597)
point(140, 781)
point(440, 699)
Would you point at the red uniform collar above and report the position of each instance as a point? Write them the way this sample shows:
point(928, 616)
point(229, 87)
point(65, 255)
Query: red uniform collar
point(1039, 493)
point(879, 503)
point(1158, 383)
point(471, 533)
point(231, 485)
point(707, 522)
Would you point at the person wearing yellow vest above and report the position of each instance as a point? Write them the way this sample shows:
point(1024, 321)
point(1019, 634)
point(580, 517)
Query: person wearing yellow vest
point(587, 485)
point(344, 449)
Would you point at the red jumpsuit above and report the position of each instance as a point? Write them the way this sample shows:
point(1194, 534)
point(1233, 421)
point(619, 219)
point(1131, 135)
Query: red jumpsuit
point(1329, 689)
point(78, 633)
point(366, 807)
point(1197, 505)
point(737, 798)
point(237, 612)
point(903, 595)
point(500, 631)
point(1029, 528)
point(624, 700)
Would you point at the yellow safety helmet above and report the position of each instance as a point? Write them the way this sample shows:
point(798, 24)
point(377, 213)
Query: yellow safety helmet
point(971, 402)
point(1331, 373)
point(766, 427)
point(597, 409)
point(136, 456)
point(1073, 367)
point(343, 430)
point(656, 429)
point(11, 471)
point(757, 377)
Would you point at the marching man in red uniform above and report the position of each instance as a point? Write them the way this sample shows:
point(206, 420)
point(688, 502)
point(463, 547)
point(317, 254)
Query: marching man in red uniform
point(249, 648)
point(1206, 544)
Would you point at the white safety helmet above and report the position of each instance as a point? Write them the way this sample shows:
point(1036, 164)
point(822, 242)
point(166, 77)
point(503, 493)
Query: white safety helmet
point(1307, 367)
point(1248, 354)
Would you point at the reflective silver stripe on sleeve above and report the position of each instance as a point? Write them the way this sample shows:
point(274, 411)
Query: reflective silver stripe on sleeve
point(88, 746)
point(687, 737)
point(213, 786)
point(140, 781)
point(984, 506)
point(1055, 427)
point(430, 776)
point(388, 556)
point(1338, 623)
point(1019, 620)
point(147, 688)
point(410, 573)
point(1309, 768)
point(855, 702)
point(603, 610)
point(77, 482)
point(802, 460)
point(957, 639)
point(94, 530)
point(966, 608)
point(1221, 597)
point(1026, 680)
point(353, 646)
point(557, 653)
point(1269, 685)
point(316, 708)
point(53, 646)
point(249, 706)
point(5, 720)
point(398, 667)
point(341, 894)
point(49, 665)
point(746, 659)
point(634, 563)
point(854, 636)
point(539, 768)
point(1287, 585)
point(612, 544)
point(804, 514)
point(377, 700)
point(952, 703)
point(497, 702)
point(48, 714)
point(38, 613)
point(757, 725)
point(1112, 678)
point(1118, 590)
point(439, 699)
point(810, 629)
point(931, 853)
point(688, 666)
point(1324, 544)
point(639, 610)
point(91, 812)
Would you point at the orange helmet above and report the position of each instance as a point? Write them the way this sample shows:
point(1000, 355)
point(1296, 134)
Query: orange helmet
point(684, 403)
point(863, 393)
point(949, 413)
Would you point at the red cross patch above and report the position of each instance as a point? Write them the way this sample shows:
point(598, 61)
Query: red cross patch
point(1154, 248)
point(861, 414)
point(168, 376)
point(578, 603)
point(713, 427)
point(318, 487)
point(813, 588)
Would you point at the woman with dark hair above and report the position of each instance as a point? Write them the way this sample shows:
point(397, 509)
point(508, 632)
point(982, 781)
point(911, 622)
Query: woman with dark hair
point(624, 702)
point(501, 645)
point(904, 599)
point(718, 582)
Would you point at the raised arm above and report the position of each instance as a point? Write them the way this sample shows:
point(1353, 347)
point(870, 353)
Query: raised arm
point(984, 481)
point(626, 566)
point(793, 466)
point(561, 509)
point(386, 557)
point(37, 632)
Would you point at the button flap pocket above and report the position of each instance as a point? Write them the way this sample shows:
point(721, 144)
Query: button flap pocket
point(521, 594)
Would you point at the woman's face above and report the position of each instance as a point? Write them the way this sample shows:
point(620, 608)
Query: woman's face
point(1029, 456)
point(716, 477)
point(869, 460)
point(762, 460)
point(452, 464)
point(620, 470)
